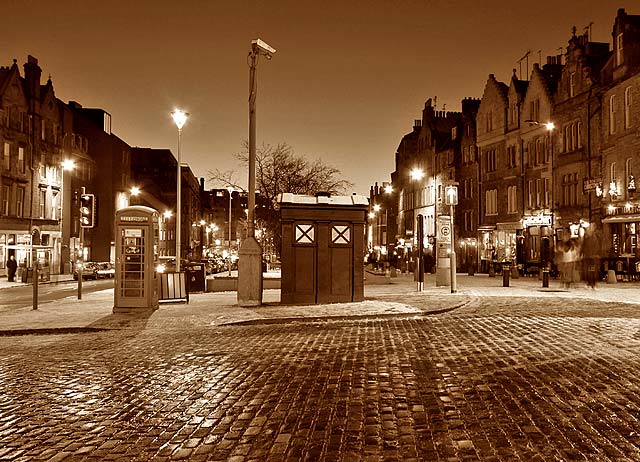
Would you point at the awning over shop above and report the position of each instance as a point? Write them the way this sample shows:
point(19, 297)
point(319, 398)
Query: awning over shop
point(622, 218)
point(509, 226)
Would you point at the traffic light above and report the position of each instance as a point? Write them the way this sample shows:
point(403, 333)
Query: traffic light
point(87, 210)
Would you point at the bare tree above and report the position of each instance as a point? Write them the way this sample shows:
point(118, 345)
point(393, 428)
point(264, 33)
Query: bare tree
point(279, 170)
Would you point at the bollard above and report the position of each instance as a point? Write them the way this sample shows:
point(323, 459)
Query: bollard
point(506, 271)
point(545, 277)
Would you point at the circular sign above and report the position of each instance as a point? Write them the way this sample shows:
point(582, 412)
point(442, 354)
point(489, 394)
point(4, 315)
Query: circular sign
point(444, 230)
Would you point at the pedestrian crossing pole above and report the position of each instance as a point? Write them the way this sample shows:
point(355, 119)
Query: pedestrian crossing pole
point(451, 199)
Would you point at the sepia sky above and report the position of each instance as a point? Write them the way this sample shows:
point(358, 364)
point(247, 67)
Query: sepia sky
point(347, 81)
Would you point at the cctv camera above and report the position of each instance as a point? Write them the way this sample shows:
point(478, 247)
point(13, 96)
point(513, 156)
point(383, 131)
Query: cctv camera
point(262, 46)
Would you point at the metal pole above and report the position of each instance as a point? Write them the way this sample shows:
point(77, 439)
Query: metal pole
point(34, 262)
point(229, 262)
point(420, 267)
point(178, 206)
point(81, 261)
point(452, 255)
point(253, 91)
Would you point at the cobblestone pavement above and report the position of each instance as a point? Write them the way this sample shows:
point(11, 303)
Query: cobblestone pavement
point(496, 379)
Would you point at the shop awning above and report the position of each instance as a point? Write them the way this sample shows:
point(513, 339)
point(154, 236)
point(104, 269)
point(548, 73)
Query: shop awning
point(622, 218)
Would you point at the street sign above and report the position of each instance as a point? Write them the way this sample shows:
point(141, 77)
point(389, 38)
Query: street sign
point(444, 229)
point(589, 184)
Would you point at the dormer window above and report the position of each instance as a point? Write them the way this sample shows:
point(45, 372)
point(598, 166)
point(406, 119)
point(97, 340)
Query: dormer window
point(619, 55)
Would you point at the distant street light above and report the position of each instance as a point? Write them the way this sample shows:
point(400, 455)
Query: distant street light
point(180, 118)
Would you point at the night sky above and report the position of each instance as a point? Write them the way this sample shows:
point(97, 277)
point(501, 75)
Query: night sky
point(346, 83)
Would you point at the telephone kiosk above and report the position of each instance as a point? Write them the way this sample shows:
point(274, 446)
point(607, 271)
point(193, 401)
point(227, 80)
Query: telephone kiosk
point(136, 281)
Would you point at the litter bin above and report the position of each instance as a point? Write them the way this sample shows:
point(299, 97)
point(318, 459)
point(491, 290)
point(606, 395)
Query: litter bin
point(195, 277)
point(545, 277)
point(506, 272)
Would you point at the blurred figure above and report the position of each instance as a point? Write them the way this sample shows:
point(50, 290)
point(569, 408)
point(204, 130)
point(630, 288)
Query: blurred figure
point(591, 251)
point(12, 266)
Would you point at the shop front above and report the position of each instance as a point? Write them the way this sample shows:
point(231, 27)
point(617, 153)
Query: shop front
point(535, 243)
point(19, 245)
point(621, 245)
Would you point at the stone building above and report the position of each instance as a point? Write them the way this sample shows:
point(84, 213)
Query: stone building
point(31, 141)
point(577, 116)
point(620, 131)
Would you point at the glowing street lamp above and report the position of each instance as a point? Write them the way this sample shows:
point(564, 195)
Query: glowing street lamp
point(416, 174)
point(180, 118)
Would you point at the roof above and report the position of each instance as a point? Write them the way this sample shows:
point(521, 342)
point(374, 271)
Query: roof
point(355, 199)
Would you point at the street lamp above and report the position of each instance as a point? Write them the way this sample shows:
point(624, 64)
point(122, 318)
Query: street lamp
point(67, 166)
point(180, 118)
point(250, 264)
point(230, 189)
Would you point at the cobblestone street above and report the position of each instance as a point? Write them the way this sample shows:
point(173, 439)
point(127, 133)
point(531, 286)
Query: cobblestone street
point(495, 379)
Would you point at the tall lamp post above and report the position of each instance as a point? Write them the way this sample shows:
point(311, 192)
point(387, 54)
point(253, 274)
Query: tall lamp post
point(180, 118)
point(230, 189)
point(250, 263)
point(416, 175)
point(67, 166)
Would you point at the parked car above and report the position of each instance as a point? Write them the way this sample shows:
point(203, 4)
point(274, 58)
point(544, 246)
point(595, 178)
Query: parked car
point(168, 265)
point(89, 270)
point(105, 270)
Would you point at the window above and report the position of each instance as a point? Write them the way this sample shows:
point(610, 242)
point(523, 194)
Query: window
point(572, 85)
point(489, 121)
point(491, 206)
point(6, 158)
point(619, 55)
point(530, 194)
point(454, 133)
point(54, 206)
point(612, 114)
point(43, 202)
point(5, 201)
point(43, 130)
point(612, 172)
point(628, 175)
point(20, 201)
point(570, 189)
point(512, 199)
point(627, 107)
point(547, 193)
point(491, 160)
point(468, 221)
point(21, 159)
point(512, 156)
point(534, 109)
point(538, 148)
point(579, 134)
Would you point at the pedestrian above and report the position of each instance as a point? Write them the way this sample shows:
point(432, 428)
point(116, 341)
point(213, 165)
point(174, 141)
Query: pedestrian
point(591, 254)
point(12, 266)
